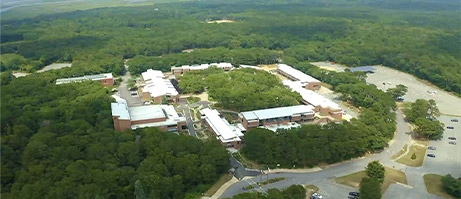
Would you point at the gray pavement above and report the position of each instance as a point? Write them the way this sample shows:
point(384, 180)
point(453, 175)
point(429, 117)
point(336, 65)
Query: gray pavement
point(415, 188)
point(125, 93)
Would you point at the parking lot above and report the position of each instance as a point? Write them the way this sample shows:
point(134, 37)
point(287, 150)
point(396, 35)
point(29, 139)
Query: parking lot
point(417, 89)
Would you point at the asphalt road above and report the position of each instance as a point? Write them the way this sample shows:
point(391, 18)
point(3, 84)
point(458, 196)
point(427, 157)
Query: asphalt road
point(125, 93)
point(324, 178)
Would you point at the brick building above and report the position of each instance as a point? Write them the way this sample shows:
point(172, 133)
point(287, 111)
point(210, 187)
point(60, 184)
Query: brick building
point(163, 117)
point(307, 81)
point(322, 105)
point(229, 135)
point(185, 68)
point(273, 118)
point(106, 79)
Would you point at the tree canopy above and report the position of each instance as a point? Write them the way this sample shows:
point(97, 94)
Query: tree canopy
point(375, 170)
point(452, 185)
point(370, 188)
point(292, 192)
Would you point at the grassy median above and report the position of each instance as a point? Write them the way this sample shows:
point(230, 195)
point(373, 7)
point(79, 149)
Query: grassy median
point(391, 176)
point(415, 157)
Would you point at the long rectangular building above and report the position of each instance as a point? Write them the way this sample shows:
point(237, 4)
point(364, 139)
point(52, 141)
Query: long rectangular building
point(163, 117)
point(106, 79)
point(227, 134)
point(276, 116)
point(185, 68)
point(296, 75)
point(321, 104)
point(157, 87)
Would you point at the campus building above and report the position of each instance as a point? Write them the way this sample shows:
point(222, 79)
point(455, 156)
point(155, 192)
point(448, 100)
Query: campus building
point(229, 135)
point(322, 105)
point(106, 79)
point(163, 117)
point(157, 88)
point(307, 81)
point(273, 118)
point(185, 68)
point(253, 67)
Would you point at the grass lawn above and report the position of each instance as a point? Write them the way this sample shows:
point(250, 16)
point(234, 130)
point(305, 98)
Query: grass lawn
point(434, 185)
point(420, 153)
point(401, 152)
point(392, 176)
point(192, 100)
point(223, 179)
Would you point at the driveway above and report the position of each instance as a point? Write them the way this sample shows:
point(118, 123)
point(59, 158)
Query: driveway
point(324, 178)
point(125, 93)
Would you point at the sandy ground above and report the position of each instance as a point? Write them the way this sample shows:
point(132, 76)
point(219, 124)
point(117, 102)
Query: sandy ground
point(187, 50)
point(269, 67)
point(54, 66)
point(221, 21)
point(417, 89)
point(20, 74)
point(203, 96)
point(328, 66)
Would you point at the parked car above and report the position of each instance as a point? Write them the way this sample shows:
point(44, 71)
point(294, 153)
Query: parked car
point(454, 143)
point(450, 127)
point(451, 138)
point(354, 193)
point(316, 196)
point(353, 197)
point(431, 155)
point(454, 120)
point(431, 148)
point(400, 98)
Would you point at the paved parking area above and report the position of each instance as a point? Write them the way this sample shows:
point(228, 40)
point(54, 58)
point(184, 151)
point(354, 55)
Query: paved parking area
point(417, 89)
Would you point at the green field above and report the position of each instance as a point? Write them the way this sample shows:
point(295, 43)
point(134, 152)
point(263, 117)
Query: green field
point(434, 185)
point(391, 176)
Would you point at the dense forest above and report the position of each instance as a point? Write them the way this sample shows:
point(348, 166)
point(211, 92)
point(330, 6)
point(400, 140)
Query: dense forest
point(241, 89)
point(58, 141)
point(421, 37)
point(310, 145)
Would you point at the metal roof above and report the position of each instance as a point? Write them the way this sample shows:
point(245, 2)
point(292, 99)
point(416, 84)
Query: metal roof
point(300, 76)
point(278, 112)
point(310, 96)
point(121, 110)
point(86, 77)
point(363, 69)
point(222, 128)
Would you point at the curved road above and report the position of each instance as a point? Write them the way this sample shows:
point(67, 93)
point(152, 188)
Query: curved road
point(324, 178)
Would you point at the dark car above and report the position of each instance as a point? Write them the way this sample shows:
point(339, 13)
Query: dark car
point(454, 120)
point(431, 155)
point(454, 143)
point(451, 138)
point(353, 197)
point(431, 148)
point(450, 127)
point(354, 193)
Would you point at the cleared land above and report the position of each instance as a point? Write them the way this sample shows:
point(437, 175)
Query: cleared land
point(417, 89)
point(392, 176)
point(434, 186)
point(54, 66)
point(221, 21)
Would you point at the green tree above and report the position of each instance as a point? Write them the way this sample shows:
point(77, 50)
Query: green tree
point(375, 170)
point(139, 190)
point(428, 128)
point(399, 91)
point(451, 185)
point(370, 188)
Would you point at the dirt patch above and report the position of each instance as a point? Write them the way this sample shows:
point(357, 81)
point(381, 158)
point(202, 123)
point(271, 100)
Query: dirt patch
point(221, 21)
point(269, 67)
point(20, 74)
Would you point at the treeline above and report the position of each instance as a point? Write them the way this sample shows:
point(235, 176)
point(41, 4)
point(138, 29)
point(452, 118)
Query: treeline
point(292, 192)
point(452, 185)
point(236, 56)
point(341, 31)
point(240, 89)
point(58, 141)
point(310, 145)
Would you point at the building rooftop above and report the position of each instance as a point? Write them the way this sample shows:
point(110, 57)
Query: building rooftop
point(120, 109)
point(363, 69)
point(152, 74)
point(248, 66)
point(204, 66)
point(310, 96)
point(275, 127)
point(160, 87)
point(300, 76)
point(86, 77)
point(224, 131)
point(278, 112)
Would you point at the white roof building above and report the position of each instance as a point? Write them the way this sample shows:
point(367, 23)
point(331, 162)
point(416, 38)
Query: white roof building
point(160, 87)
point(225, 132)
point(152, 74)
point(278, 112)
point(86, 77)
point(253, 67)
point(310, 96)
point(204, 66)
point(298, 75)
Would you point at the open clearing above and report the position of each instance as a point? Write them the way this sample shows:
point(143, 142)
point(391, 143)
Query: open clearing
point(392, 176)
point(434, 186)
point(417, 89)
point(221, 21)
point(54, 66)
point(330, 66)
